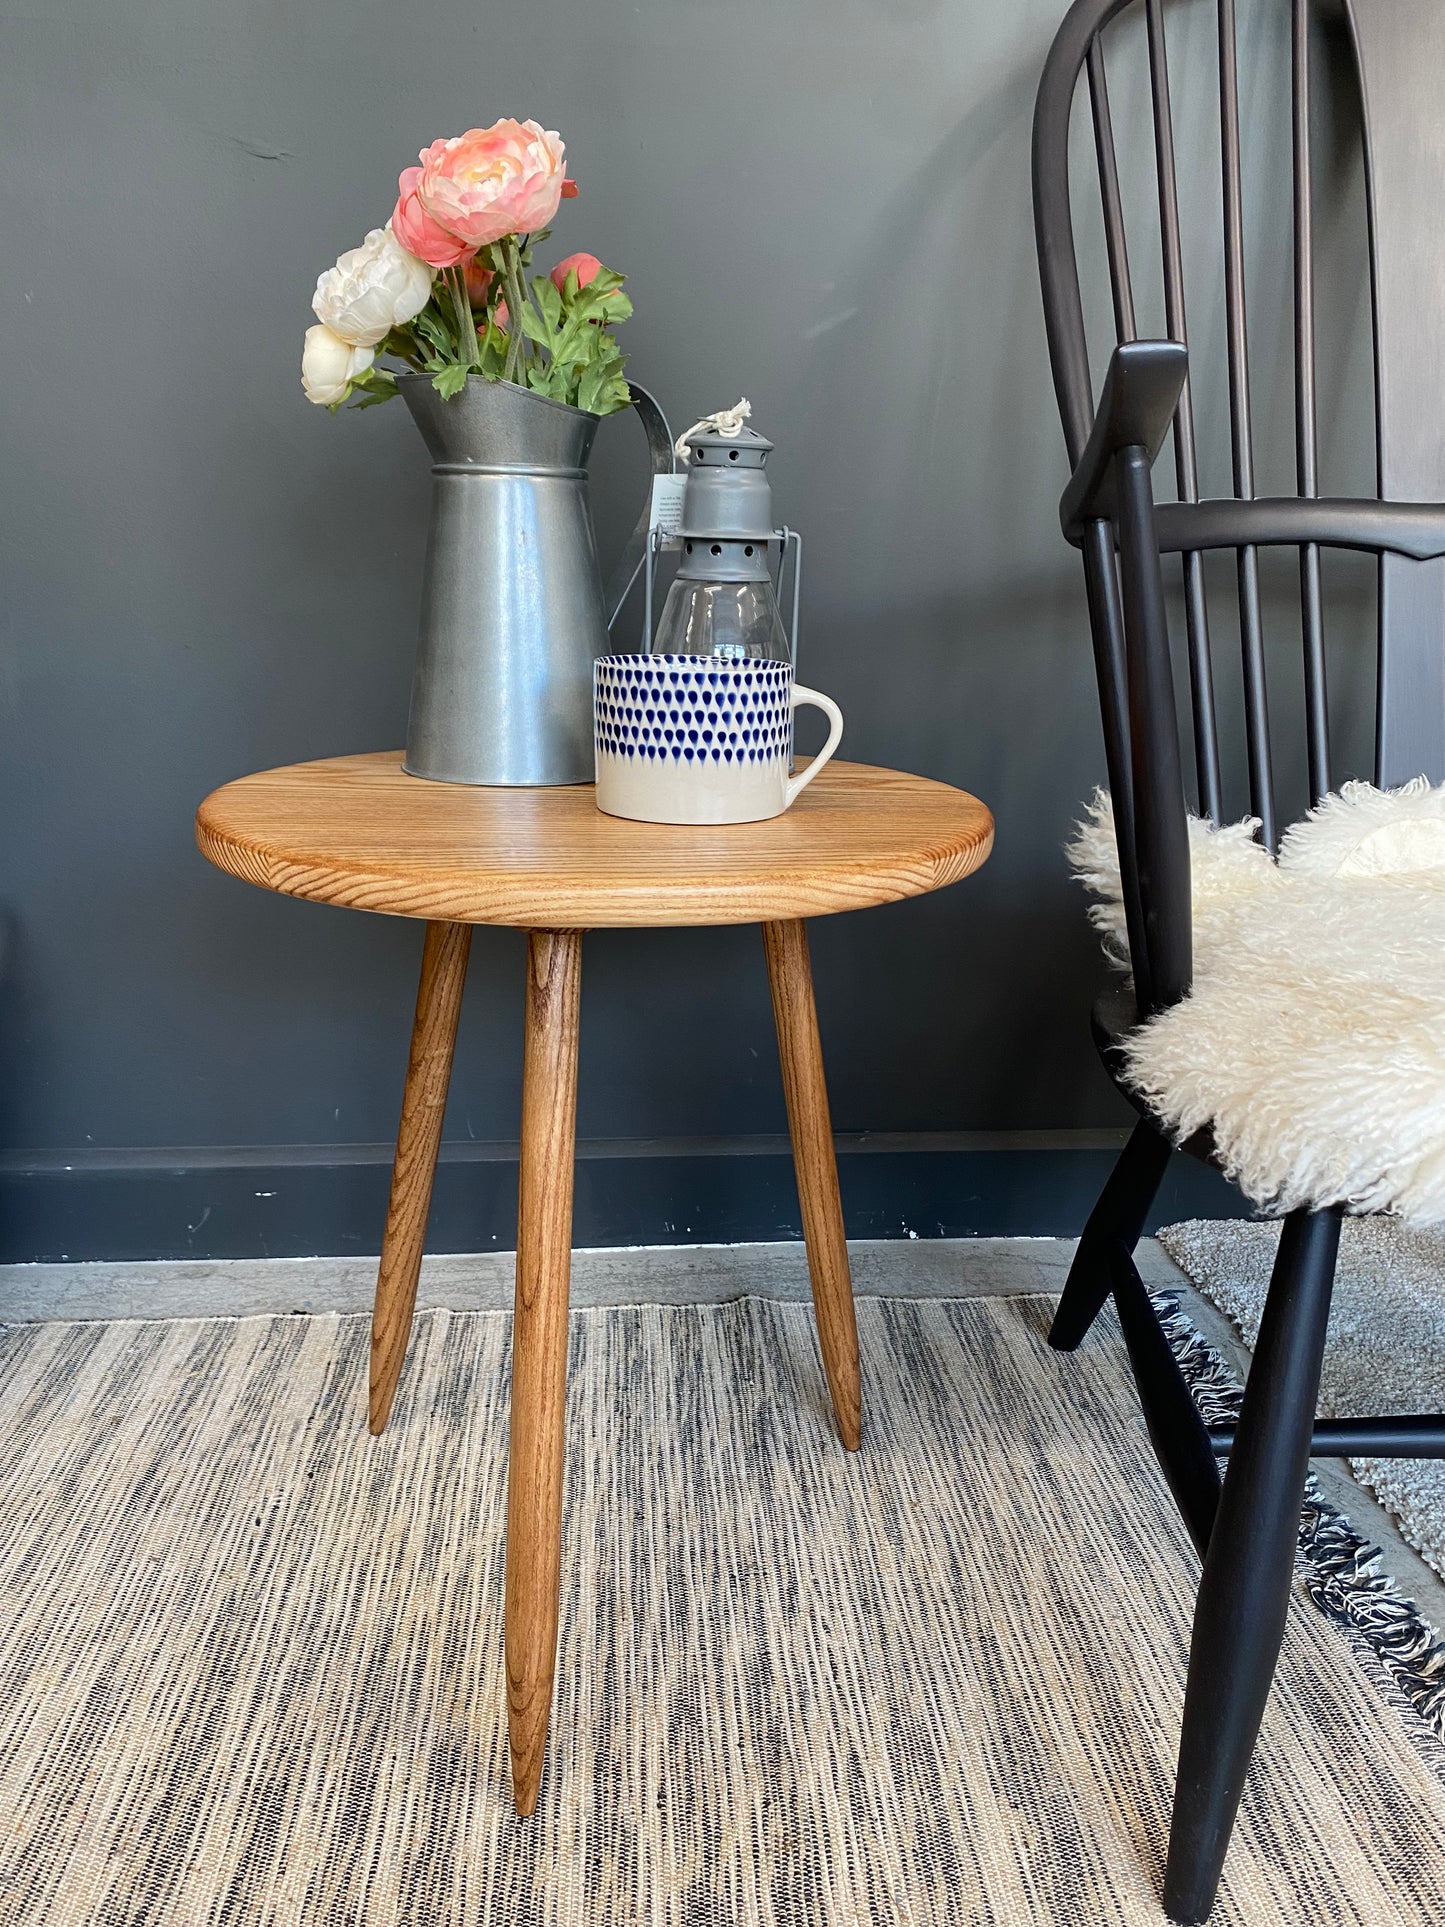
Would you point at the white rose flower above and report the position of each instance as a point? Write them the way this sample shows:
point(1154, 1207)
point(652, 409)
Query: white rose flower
point(329, 364)
point(372, 289)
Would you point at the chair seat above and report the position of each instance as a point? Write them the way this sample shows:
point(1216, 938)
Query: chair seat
point(1113, 1019)
point(1311, 1049)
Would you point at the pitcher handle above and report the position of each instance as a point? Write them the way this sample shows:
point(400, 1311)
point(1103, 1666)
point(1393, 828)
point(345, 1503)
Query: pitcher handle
point(659, 448)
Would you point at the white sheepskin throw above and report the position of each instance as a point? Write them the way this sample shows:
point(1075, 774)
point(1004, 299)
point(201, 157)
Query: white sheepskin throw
point(1313, 1041)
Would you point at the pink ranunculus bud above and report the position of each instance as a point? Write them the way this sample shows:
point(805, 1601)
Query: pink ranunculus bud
point(493, 181)
point(570, 190)
point(587, 265)
point(499, 314)
point(479, 282)
point(419, 234)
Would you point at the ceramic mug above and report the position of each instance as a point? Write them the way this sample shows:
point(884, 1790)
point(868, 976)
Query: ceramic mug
point(692, 739)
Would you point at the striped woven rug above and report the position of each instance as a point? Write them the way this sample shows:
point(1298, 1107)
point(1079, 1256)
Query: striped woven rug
point(251, 1672)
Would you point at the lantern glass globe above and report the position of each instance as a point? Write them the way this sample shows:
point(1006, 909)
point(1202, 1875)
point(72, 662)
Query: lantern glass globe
point(733, 621)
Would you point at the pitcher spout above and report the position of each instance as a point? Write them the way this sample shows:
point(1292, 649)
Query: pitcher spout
point(498, 424)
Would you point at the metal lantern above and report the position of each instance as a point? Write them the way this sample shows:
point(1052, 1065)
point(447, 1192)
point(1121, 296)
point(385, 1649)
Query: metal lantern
point(724, 599)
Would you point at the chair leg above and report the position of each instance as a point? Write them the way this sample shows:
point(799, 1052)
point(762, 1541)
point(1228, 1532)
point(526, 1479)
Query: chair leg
point(1118, 1218)
point(1244, 1593)
point(790, 977)
point(1178, 1434)
point(418, 1138)
point(539, 1348)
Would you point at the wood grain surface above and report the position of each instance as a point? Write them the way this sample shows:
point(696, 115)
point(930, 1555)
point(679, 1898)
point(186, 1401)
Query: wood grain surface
point(418, 1139)
point(800, 1054)
point(539, 1347)
point(357, 831)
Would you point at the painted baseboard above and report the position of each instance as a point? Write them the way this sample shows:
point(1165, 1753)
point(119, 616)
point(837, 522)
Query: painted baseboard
point(312, 1200)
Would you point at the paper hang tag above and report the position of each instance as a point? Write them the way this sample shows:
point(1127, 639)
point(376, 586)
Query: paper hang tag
point(666, 515)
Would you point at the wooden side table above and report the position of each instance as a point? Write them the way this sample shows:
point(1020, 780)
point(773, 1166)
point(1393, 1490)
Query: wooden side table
point(356, 830)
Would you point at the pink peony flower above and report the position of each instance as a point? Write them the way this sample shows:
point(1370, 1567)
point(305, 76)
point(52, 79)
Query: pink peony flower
point(587, 265)
point(493, 181)
point(419, 234)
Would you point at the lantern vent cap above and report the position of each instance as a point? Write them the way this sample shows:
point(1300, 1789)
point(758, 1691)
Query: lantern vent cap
point(724, 439)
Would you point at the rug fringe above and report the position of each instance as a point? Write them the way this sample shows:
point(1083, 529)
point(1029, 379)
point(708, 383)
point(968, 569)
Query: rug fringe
point(1342, 1571)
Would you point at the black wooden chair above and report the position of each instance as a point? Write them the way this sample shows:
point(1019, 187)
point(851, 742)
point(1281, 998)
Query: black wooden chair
point(1246, 1525)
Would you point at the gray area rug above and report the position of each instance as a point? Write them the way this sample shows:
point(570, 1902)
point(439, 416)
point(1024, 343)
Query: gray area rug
point(251, 1668)
point(1386, 1347)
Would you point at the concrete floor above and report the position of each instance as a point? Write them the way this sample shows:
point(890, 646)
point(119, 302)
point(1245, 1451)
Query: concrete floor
point(684, 1275)
point(658, 1274)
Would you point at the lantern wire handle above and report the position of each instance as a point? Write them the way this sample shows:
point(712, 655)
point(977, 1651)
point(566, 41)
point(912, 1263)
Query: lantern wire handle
point(785, 536)
point(654, 543)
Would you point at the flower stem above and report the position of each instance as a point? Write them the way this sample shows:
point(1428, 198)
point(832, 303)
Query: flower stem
point(516, 300)
point(467, 351)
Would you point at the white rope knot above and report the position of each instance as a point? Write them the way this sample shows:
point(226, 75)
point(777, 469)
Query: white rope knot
point(727, 422)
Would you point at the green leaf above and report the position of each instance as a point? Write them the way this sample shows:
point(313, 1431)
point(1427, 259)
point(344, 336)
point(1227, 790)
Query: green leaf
point(549, 380)
point(450, 380)
point(606, 355)
point(402, 343)
point(586, 306)
point(602, 387)
point(585, 333)
point(549, 302)
point(587, 355)
point(574, 343)
point(430, 327)
point(591, 387)
point(533, 326)
point(374, 400)
point(373, 376)
point(599, 307)
point(366, 390)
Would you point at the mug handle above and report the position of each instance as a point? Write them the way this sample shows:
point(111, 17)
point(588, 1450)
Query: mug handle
point(800, 699)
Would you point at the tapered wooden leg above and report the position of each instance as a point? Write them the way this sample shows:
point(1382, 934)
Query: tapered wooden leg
point(539, 1347)
point(418, 1138)
point(1117, 1219)
point(790, 976)
point(1243, 1599)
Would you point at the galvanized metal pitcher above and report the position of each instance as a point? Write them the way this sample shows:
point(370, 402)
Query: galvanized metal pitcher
point(513, 613)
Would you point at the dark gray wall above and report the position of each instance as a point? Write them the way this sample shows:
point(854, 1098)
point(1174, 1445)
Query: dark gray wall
point(821, 203)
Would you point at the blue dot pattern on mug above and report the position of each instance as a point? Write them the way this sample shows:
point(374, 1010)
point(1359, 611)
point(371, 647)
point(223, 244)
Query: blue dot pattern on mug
point(693, 709)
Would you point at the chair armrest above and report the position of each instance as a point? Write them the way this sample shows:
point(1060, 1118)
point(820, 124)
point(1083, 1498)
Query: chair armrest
point(1141, 391)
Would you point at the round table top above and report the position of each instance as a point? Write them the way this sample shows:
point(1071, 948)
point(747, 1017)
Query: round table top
point(358, 831)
